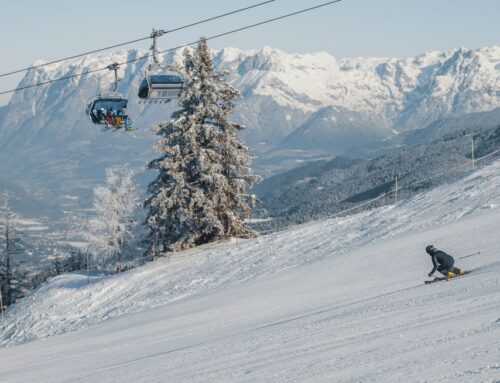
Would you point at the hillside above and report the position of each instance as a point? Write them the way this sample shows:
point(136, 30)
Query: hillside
point(319, 189)
point(28, 203)
point(37, 225)
point(336, 300)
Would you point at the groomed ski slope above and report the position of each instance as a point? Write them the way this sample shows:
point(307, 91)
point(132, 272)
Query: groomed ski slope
point(341, 300)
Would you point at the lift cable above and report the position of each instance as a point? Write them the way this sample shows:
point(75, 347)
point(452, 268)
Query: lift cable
point(176, 48)
point(139, 39)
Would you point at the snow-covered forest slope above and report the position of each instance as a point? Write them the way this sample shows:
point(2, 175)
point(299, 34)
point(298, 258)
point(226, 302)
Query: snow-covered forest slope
point(340, 300)
point(319, 189)
point(293, 103)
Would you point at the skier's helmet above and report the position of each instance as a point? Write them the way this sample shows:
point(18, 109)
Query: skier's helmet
point(430, 249)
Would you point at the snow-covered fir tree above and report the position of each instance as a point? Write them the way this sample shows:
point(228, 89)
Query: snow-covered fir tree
point(114, 205)
point(199, 194)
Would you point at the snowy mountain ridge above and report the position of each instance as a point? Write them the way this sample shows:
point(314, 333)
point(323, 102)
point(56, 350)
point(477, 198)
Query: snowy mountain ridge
point(407, 93)
point(458, 81)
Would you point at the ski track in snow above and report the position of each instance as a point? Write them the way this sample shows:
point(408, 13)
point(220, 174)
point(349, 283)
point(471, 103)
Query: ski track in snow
point(341, 300)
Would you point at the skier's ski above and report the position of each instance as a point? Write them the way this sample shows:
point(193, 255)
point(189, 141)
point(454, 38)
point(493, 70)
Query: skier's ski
point(439, 279)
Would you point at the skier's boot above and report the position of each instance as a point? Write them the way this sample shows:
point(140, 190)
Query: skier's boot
point(457, 271)
point(450, 274)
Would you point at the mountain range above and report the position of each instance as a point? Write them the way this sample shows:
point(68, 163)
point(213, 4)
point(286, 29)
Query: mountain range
point(295, 106)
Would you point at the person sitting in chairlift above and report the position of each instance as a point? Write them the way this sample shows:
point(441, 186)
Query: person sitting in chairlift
point(100, 113)
point(118, 119)
point(109, 118)
point(94, 116)
point(126, 121)
point(113, 115)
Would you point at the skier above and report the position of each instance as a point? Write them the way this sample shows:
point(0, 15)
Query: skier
point(108, 119)
point(443, 263)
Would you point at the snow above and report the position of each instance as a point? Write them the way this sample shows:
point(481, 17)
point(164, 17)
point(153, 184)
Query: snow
point(257, 220)
point(71, 197)
point(340, 300)
point(29, 225)
point(26, 221)
point(36, 228)
point(75, 244)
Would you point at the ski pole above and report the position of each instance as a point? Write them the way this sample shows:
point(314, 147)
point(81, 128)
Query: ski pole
point(470, 255)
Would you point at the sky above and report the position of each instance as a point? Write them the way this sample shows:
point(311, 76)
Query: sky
point(52, 29)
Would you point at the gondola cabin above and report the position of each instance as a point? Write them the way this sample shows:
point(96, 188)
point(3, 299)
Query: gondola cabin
point(109, 110)
point(160, 87)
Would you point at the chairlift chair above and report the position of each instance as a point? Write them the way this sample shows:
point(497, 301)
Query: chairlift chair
point(107, 102)
point(110, 108)
point(162, 87)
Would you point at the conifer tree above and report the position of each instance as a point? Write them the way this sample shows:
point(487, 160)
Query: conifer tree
point(13, 279)
point(199, 194)
point(6, 277)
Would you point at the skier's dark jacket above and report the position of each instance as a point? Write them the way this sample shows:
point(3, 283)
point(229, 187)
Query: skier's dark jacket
point(441, 258)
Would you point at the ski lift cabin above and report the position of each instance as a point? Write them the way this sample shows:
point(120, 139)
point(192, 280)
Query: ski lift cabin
point(107, 103)
point(161, 87)
point(110, 109)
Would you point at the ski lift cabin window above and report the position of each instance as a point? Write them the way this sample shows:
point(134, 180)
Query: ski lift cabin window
point(163, 87)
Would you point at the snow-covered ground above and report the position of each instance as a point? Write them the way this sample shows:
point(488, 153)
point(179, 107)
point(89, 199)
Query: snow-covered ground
point(340, 300)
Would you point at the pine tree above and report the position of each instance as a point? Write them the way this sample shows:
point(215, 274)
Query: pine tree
point(20, 283)
point(57, 267)
point(114, 204)
point(13, 279)
point(6, 277)
point(199, 194)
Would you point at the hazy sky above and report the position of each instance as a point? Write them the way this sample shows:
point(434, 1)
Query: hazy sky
point(51, 29)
